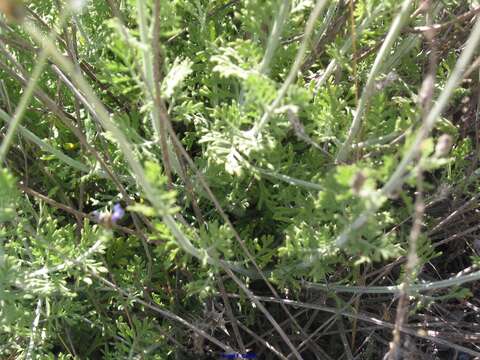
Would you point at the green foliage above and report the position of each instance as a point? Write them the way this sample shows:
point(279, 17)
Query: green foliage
point(8, 196)
point(75, 286)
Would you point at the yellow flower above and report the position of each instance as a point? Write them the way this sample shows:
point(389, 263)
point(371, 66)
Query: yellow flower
point(70, 146)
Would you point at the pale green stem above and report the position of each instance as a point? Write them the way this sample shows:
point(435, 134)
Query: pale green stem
point(146, 53)
point(381, 140)
point(398, 177)
point(146, 50)
point(346, 47)
point(22, 105)
point(45, 146)
point(327, 20)
point(288, 179)
point(292, 75)
point(78, 23)
point(397, 289)
point(407, 45)
point(27, 95)
point(36, 321)
point(367, 92)
point(6, 99)
point(274, 38)
point(69, 263)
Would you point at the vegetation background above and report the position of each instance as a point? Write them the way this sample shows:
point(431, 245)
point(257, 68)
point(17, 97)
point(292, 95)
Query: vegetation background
point(186, 179)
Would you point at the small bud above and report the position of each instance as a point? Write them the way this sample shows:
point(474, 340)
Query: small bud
point(118, 213)
point(444, 144)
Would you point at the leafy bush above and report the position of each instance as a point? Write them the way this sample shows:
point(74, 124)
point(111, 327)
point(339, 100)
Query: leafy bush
point(184, 179)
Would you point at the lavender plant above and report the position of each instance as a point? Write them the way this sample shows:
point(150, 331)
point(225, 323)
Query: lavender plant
point(199, 179)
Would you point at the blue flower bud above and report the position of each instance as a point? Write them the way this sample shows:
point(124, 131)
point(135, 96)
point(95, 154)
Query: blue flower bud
point(118, 213)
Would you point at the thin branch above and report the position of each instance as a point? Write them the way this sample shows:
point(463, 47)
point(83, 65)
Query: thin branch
point(33, 335)
point(160, 108)
point(398, 177)
point(425, 96)
point(437, 27)
point(292, 75)
point(263, 342)
point(454, 281)
point(231, 316)
point(23, 103)
point(332, 66)
point(47, 147)
point(68, 209)
point(426, 334)
point(274, 37)
point(367, 92)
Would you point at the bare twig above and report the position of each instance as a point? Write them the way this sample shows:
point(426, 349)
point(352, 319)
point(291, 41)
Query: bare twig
point(233, 319)
point(424, 334)
point(262, 341)
point(426, 95)
point(412, 262)
point(367, 91)
point(437, 27)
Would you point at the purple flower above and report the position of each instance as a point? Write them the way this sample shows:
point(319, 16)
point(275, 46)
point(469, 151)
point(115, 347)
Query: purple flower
point(108, 219)
point(118, 212)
